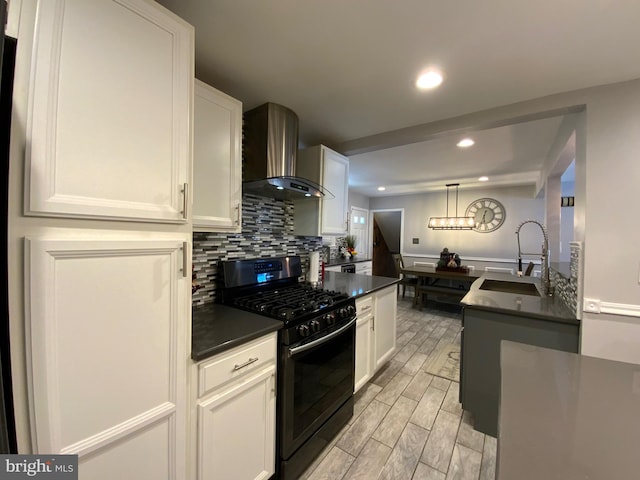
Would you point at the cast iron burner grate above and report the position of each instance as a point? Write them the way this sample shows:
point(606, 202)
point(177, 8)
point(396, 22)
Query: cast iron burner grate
point(290, 302)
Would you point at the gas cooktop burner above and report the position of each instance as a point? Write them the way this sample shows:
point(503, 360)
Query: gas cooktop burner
point(290, 302)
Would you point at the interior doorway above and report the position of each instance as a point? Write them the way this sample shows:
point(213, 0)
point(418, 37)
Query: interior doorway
point(387, 227)
point(359, 228)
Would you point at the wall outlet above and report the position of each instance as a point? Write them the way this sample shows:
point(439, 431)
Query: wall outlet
point(416, 241)
point(591, 305)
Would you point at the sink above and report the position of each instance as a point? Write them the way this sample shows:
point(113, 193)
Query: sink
point(510, 287)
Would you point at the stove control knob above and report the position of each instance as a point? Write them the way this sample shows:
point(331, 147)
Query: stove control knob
point(343, 312)
point(351, 310)
point(330, 318)
point(303, 330)
point(315, 325)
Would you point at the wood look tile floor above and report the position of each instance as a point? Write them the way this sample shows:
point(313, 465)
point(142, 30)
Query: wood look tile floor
point(407, 423)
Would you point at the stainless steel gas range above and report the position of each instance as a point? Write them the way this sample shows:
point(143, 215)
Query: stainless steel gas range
point(316, 353)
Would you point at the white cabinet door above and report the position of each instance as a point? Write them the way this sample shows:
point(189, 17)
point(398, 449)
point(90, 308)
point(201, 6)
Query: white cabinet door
point(217, 160)
point(364, 268)
point(236, 430)
point(107, 339)
point(364, 365)
point(385, 309)
point(326, 216)
point(108, 128)
point(335, 178)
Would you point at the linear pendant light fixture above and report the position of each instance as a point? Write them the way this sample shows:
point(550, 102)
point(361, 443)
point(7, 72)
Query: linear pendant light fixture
point(452, 223)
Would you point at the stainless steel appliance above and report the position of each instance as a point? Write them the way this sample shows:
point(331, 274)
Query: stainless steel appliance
point(316, 353)
point(348, 268)
point(270, 148)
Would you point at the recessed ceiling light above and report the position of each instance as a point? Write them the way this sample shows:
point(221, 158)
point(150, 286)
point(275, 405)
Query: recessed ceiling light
point(382, 189)
point(429, 79)
point(483, 179)
point(465, 142)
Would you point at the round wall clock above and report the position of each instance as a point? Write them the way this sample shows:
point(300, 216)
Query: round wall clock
point(488, 213)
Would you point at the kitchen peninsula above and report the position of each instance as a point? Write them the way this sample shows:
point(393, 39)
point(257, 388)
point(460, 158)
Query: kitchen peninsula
point(580, 415)
point(491, 316)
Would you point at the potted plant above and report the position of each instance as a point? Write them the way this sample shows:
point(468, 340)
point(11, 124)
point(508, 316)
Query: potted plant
point(350, 245)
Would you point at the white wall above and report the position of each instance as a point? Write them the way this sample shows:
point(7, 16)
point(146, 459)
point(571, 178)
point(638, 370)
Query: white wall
point(500, 245)
point(358, 200)
point(612, 245)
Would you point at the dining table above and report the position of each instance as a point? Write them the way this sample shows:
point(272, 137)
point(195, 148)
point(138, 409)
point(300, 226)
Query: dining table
point(440, 282)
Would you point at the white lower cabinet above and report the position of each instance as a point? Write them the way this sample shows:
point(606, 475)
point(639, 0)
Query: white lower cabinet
point(384, 325)
point(364, 366)
point(364, 268)
point(236, 412)
point(375, 333)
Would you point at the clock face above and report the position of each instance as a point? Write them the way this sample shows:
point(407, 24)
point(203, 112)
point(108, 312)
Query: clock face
point(489, 214)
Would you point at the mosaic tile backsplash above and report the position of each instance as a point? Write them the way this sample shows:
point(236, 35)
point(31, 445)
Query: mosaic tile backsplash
point(267, 231)
point(567, 288)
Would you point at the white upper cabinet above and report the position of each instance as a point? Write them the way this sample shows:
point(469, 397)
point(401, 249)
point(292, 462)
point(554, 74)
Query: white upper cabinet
point(217, 160)
point(327, 216)
point(108, 132)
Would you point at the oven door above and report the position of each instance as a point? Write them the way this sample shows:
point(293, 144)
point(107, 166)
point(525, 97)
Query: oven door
point(316, 378)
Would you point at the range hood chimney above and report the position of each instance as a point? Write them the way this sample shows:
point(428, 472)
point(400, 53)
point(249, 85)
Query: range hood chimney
point(270, 147)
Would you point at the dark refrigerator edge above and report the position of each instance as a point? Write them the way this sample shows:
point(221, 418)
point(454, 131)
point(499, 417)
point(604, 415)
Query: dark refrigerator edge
point(8, 442)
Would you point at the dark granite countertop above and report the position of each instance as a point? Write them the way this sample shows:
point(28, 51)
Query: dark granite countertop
point(542, 307)
point(567, 416)
point(355, 285)
point(344, 261)
point(216, 328)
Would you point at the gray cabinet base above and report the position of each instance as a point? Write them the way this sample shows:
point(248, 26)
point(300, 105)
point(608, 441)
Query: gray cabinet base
point(480, 358)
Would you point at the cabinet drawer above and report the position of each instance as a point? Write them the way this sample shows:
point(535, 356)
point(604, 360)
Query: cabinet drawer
point(364, 305)
point(236, 363)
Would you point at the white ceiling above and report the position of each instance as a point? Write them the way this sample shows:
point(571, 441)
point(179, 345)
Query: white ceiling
point(348, 67)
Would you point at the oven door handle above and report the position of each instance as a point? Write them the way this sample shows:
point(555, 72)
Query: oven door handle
point(302, 348)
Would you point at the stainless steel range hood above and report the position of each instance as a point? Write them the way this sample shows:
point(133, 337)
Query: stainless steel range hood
point(270, 147)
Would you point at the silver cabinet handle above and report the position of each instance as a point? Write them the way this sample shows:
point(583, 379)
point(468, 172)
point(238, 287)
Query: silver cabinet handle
point(185, 259)
point(242, 365)
point(237, 220)
point(185, 201)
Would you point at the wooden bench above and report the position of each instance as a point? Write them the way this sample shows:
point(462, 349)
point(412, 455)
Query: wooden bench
point(457, 292)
